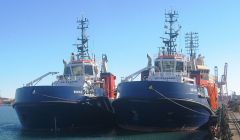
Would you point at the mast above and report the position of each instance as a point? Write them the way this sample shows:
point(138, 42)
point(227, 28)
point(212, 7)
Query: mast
point(191, 43)
point(170, 20)
point(83, 45)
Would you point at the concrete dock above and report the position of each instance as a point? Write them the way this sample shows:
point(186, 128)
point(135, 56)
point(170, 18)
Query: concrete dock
point(234, 119)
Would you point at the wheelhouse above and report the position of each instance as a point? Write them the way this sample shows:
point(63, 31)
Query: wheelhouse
point(173, 65)
point(79, 70)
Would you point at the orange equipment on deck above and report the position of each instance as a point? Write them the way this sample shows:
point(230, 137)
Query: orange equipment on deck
point(211, 87)
point(109, 84)
point(212, 92)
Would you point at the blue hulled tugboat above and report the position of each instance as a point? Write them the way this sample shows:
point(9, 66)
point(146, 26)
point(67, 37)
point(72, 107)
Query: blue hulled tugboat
point(80, 98)
point(166, 98)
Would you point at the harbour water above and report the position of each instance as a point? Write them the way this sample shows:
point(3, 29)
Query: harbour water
point(10, 129)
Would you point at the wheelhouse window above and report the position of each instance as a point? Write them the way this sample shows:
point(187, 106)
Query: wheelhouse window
point(179, 66)
point(168, 66)
point(158, 66)
point(77, 70)
point(67, 71)
point(88, 69)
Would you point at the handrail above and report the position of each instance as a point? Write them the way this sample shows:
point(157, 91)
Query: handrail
point(40, 78)
point(134, 75)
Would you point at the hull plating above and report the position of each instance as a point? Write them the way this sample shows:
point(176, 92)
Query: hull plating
point(52, 107)
point(171, 107)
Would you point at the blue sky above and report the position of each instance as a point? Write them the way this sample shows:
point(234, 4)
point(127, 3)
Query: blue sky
point(36, 35)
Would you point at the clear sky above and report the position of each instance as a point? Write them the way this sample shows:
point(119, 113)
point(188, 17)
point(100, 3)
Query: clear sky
point(35, 35)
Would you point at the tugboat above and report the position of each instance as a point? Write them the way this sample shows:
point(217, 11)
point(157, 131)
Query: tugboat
point(78, 99)
point(171, 95)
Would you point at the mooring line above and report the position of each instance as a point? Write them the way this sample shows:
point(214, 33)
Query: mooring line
point(151, 88)
point(53, 97)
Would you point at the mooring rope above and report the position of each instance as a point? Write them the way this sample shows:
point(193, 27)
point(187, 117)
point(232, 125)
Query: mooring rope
point(68, 101)
point(53, 97)
point(151, 88)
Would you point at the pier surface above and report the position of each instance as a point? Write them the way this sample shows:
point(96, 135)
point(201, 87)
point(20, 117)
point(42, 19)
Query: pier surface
point(234, 119)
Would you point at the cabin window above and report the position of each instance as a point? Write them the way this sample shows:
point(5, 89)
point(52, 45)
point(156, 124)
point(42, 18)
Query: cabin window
point(67, 71)
point(158, 66)
point(77, 70)
point(156, 63)
point(179, 67)
point(88, 69)
point(168, 66)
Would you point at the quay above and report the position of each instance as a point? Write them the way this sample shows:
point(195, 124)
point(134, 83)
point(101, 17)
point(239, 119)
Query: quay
point(229, 120)
point(234, 119)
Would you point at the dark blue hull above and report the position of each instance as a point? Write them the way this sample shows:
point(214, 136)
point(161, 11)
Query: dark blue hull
point(54, 108)
point(169, 107)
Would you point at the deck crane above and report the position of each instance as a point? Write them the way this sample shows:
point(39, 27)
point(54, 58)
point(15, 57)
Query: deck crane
point(224, 77)
point(223, 82)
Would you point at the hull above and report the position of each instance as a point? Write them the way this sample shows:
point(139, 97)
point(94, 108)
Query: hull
point(54, 108)
point(169, 107)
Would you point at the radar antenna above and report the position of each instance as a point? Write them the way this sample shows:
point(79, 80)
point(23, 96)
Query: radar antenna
point(170, 19)
point(83, 45)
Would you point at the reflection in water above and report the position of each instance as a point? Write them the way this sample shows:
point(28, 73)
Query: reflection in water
point(116, 135)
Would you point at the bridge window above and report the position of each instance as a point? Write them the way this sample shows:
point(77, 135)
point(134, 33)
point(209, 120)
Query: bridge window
point(67, 71)
point(77, 70)
point(179, 67)
point(88, 69)
point(168, 66)
point(158, 66)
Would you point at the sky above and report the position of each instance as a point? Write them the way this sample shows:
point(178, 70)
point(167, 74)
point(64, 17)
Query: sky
point(36, 35)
